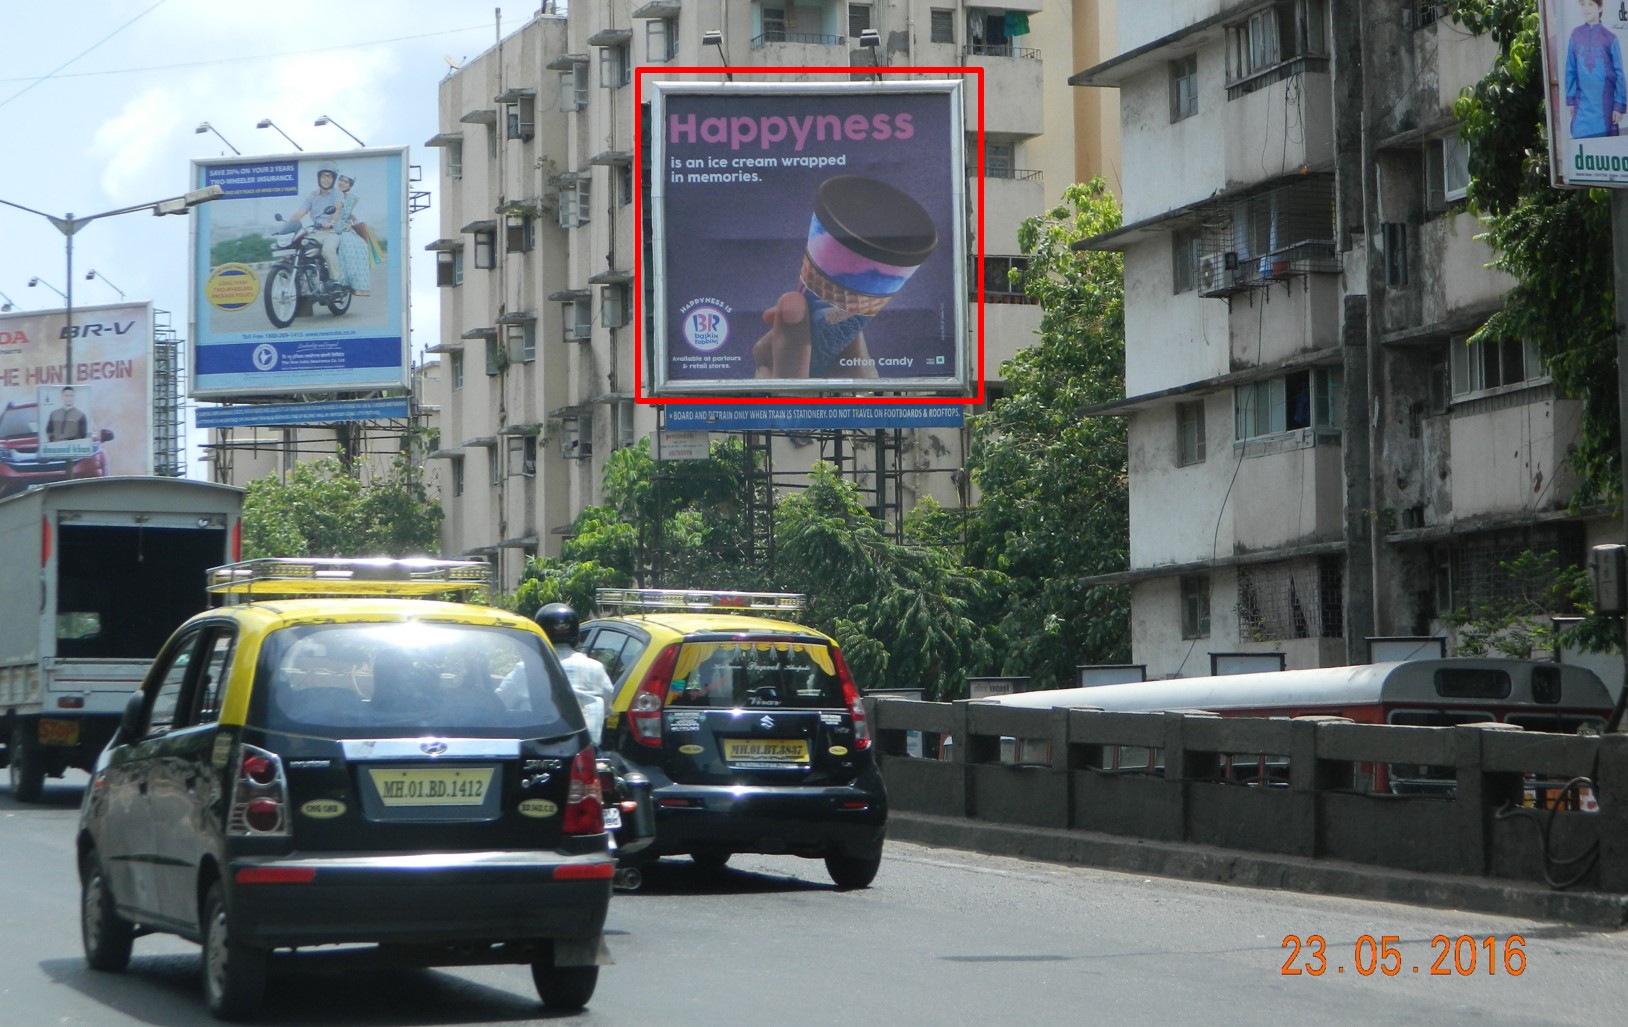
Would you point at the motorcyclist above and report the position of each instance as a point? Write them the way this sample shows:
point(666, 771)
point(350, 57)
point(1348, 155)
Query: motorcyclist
point(323, 204)
point(587, 675)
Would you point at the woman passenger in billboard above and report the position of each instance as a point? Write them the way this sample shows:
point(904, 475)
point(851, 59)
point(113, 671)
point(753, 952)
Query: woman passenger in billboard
point(1595, 88)
point(356, 254)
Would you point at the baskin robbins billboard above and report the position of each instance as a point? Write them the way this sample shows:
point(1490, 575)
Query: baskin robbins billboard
point(808, 237)
point(1586, 89)
point(299, 274)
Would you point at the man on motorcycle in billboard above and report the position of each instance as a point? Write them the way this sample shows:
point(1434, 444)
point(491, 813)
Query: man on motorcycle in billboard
point(323, 205)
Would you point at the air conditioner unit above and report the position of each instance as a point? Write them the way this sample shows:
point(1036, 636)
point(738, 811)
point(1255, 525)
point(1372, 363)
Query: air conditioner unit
point(1215, 278)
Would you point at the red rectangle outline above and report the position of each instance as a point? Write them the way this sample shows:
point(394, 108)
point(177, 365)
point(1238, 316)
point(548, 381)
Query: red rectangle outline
point(638, 240)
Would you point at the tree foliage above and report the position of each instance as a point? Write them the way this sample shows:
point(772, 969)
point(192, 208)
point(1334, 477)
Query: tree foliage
point(320, 511)
point(1054, 485)
point(1556, 242)
point(1520, 623)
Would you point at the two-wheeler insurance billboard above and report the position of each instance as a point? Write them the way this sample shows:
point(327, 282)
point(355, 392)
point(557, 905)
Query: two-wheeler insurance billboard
point(808, 237)
point(300, 274)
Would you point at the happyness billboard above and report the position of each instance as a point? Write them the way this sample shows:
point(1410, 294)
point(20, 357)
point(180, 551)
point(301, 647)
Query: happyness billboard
point(808, 237)
point(299, 274)
point(1586, 90)
point(98, 425)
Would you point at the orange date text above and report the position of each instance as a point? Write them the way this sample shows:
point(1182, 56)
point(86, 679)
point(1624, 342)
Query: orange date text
point(1449, 956)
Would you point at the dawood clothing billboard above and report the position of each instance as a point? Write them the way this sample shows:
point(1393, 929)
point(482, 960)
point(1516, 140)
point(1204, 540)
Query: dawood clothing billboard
point(808, 237)
point(99, 424)
point(1587, 91)
point(299, 274)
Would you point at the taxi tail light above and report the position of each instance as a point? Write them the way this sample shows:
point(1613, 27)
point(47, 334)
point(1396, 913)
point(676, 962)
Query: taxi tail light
point(644, 712)
point(856, 706)
point(259, 796)
point(584, 800)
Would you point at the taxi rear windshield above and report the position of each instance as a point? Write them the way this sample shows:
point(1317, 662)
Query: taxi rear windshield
point(407, 680)
point(756, 673)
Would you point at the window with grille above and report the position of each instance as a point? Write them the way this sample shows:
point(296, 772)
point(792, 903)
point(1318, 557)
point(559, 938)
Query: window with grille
point(455, 161)
point(941, 26)
point(998, 284)
point(494, 358)
point(522, 340)
point(1185, 246)
point(1286, 39)
point(1184, 87)
point(613, 306)
point(1293, 599)
point(457, 475)
point(494, 466)
point(457, 371)
point(522, 118)
point(577, 320)
point(449, 268)
point(859, 19)
point(519, 233)
point(1190, 442)
point(624, 184)
point(1195, 606)
point(573, 201)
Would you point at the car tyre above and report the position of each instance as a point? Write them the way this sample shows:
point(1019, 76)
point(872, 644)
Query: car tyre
point(234, 973)
point(107, 936)
point(853, 871)
point(564, 988)
point(26, 768)
point(710, 862)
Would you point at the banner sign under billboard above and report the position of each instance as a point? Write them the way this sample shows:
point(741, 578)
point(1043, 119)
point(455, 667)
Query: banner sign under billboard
point(1582, 44)
point(299, 274)
point(100, 425)
point(808, 237)
point(810, 418)
point(301, 413)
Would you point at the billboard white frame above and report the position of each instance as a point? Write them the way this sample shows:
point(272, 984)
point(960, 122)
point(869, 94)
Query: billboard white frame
point(1588, 159)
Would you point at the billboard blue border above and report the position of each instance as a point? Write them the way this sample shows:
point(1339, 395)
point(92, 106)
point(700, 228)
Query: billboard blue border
point(770, 418)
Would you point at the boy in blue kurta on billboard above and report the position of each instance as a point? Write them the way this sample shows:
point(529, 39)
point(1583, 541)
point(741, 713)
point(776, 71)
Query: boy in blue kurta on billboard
point(1596, 91)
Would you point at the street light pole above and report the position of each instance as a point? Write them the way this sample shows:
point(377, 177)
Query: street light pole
point(325, 120)
point(69, 226)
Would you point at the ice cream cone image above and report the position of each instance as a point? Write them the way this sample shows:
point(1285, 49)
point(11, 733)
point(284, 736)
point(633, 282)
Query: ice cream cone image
point(865, 240)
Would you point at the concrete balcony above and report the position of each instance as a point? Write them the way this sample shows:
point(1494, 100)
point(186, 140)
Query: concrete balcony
point(1304, 464)
point(1010, 195)
point(1257, 123)
point(1012, 90)
point(1008, 328)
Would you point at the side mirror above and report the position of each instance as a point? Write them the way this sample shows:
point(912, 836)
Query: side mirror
point(105, 435)
point(132, 720)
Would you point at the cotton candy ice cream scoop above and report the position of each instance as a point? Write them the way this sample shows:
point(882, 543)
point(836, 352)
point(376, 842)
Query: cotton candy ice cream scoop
point(865, 240)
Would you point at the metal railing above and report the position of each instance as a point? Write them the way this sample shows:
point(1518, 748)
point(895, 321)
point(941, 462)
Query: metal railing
point(778, 36)
point(999, 50)
point(1001, 171)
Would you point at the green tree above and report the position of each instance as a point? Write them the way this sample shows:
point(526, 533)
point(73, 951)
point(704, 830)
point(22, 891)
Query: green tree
point(1519, 623)
point(1053, 484)
point(1556, 242)
point(245, 249)
point(320, 511)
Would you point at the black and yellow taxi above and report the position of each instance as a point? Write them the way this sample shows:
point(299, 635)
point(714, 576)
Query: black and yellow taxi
point(335, 757)
point(748, 724)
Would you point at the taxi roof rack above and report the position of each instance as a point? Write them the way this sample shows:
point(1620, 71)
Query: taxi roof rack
point(344, 576)
point(698, 600)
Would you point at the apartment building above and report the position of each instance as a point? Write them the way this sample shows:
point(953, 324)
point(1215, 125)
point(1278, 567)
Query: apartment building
point(536, 250)
point(1316, 457)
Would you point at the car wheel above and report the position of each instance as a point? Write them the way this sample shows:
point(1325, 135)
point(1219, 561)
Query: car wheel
point(26, 769)
point(107, 936)
point(853, 871)
point(710, 862)
point(234, 973)
point(564, 988)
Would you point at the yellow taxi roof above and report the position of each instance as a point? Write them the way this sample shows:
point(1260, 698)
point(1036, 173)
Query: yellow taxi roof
point(722, 623)
point(363, 608)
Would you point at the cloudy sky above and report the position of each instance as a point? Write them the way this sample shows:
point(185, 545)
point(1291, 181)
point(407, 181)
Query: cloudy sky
point(100, 101)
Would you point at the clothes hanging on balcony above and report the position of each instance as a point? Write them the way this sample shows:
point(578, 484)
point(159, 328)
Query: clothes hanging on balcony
point(1017, 23)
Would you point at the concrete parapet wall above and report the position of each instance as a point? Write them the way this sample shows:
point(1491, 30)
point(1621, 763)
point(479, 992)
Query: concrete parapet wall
point(1305, 788)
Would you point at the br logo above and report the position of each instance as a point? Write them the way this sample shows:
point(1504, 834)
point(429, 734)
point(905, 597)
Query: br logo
point(706, 328)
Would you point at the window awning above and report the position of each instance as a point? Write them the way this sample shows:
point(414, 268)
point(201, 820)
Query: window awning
point(514, 95)
point(487, 116)
point(517, 317)
point(657, 9)
point(610, 157)
point(445, 139)
point(444, 244)
point(487, 225)
point(566, 61)
point(486, 332)
point(611, 37)
point(611, 278)
point(567, 295)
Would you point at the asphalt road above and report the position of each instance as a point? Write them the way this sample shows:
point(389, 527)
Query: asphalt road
point(944, 937)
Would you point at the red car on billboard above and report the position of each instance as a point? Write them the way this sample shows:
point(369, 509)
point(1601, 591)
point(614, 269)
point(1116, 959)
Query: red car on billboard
point(20, 461)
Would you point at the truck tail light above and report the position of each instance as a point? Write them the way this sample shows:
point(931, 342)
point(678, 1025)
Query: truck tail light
point(259, 796)
point(856, 706)
point(584, 800)
point(644, 712)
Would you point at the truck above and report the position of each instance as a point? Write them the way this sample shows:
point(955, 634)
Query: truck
point(99, 572)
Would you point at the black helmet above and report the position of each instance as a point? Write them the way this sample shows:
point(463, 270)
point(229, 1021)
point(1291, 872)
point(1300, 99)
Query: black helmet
point(559, 623)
